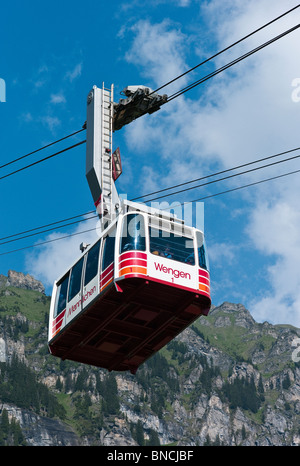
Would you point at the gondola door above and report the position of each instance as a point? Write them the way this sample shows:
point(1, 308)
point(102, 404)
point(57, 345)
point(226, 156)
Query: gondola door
point(74, 305)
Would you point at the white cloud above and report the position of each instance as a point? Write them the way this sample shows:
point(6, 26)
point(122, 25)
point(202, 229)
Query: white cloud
point(239, 112)
point(75, 73)
point(275, 230)
point(219, 252)
point(57, 98)
point(51, 122)
point(40, 83)
point(139, 4)
point(159, 49)
point(27, 117)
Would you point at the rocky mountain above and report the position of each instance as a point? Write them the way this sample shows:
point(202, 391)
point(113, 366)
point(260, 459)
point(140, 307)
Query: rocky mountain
point(226, 380)
point(19, 280)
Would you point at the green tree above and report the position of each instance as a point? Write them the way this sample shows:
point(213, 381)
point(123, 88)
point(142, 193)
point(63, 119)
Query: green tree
point(153, 439)
point(139, 433)
point(244, 435)
point(242, 393)
point(111, 403)
point(260, 387)
point(286, 383)
point(81, 380)
point(4, 424)
point(18, 438)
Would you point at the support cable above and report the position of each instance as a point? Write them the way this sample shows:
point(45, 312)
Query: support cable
point(187, 202)
point(230, 64)
point(216, 173)
point(41, 148)
point(228, 47)
point(42, 160)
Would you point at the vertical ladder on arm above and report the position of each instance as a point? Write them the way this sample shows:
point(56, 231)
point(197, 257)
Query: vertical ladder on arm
point(99, 152)
point(106, 152)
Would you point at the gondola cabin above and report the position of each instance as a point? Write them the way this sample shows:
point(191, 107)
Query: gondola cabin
point(131, 292)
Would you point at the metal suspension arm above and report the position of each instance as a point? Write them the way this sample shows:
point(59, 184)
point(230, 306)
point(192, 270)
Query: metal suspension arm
point(99, 160)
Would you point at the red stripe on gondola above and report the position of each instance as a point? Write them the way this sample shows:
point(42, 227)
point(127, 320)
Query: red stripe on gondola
point(204, 280)
point(203, 273)
point(133, 254)
point(107, 276)
point(58, 318)
point(57, 323)
point(130, 262)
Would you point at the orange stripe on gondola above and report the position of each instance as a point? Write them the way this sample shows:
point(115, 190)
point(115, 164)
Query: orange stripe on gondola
point(129, 270)
point(55, 333)
point(203, 287)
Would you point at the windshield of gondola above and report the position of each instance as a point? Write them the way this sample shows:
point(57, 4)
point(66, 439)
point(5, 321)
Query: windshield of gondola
point(133, 233)
point(172, 246)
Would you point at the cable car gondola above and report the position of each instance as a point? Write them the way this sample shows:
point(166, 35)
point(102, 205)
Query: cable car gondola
point(131, 292)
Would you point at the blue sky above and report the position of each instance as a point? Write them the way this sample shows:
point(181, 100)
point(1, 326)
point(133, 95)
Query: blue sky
point(52, 53)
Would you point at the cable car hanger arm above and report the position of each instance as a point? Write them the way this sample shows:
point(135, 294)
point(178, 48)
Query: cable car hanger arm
point(138, 101)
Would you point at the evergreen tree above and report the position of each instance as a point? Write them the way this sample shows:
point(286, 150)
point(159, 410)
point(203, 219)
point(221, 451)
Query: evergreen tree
point(243, 394)
point(139, 433)
point(111, 403)
point(10, 431)
point(286, 383)
point(81, 380)
point(153, 439)
point(207, 442)
point(17, 434)
point(30, 394)
point(260, 387)
point(68, 383)
point(244, 435)
point(4, 424)
point(59, 384)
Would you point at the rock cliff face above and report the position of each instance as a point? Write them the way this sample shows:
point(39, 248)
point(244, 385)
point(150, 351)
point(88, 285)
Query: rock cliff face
point(226, 380)
point(27, 282)
point(40, 430)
